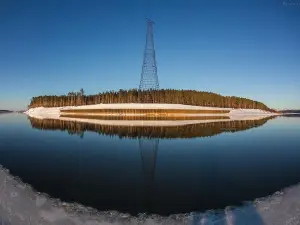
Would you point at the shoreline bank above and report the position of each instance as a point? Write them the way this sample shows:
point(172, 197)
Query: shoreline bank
point(112, 110)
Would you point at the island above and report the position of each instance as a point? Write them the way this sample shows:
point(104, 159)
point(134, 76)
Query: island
point(163, 103)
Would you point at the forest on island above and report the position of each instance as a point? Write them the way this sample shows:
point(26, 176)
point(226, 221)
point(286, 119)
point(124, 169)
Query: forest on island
point(169, 96)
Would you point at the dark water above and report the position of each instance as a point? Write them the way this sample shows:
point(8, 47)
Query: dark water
point(162, 170)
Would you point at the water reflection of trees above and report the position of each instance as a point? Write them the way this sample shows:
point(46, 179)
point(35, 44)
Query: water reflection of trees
point(182, 131)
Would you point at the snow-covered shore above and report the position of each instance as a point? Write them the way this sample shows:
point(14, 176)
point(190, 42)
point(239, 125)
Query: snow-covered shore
point(234, 114)
point(20, 204)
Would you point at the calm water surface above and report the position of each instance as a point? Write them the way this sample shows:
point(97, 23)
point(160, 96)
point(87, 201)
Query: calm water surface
point(153, 170)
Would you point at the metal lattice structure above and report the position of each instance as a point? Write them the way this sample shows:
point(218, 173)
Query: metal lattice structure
point(149, 78)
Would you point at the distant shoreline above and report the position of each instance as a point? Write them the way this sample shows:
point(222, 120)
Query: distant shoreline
point(6, 111)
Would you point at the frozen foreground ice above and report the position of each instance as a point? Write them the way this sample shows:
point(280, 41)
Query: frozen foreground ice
point(20, 204)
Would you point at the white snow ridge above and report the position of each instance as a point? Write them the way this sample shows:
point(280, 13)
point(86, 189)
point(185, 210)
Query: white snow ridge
point(21, 205)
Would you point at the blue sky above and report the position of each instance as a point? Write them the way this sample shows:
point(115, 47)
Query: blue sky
point(242, 48)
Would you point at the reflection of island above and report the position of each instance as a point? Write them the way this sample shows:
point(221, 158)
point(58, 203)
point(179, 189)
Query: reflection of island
point(179, 131)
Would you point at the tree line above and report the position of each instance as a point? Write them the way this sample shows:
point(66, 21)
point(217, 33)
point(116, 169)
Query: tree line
point(170, 96)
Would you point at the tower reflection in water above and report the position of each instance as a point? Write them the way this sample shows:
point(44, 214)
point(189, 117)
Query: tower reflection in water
point(148, 149)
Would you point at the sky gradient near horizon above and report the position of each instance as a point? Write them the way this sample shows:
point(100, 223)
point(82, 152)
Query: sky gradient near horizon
point(245, 48)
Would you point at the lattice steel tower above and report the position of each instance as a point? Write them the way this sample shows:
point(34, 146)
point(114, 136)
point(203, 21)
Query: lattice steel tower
point(149, 78)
